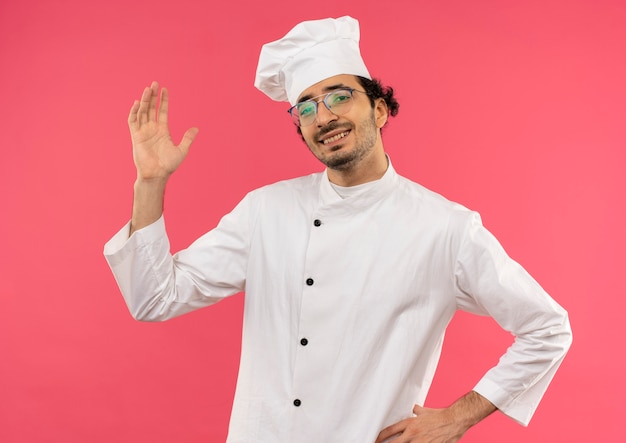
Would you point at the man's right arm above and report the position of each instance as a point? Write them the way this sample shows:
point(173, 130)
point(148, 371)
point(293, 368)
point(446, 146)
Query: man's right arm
point(155, 155)
point(142, 264)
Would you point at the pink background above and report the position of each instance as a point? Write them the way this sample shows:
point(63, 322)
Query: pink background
point(515, 109)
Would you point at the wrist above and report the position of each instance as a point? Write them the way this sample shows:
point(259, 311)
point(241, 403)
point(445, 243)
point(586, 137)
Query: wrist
point(152, 183)
point(471, 409)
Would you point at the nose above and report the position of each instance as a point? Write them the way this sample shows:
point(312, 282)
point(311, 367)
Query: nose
point(324, 115)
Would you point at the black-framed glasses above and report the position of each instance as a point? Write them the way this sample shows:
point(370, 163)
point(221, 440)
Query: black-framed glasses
point(338, 102)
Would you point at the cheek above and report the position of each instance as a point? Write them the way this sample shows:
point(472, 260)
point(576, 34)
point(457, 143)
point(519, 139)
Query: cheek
point(307, 136)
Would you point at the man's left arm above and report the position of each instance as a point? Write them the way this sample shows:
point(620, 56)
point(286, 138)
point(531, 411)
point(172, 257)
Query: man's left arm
point(490, 283)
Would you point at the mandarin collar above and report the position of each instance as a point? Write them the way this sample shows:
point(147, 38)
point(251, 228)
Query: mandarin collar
point(332, 203)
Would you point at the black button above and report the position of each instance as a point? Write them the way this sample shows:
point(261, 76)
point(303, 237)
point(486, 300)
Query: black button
point(317, 222)
point(297, 402)
point(304, 342)
point(309, 281)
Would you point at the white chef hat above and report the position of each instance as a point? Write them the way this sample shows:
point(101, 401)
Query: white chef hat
point(311, 52)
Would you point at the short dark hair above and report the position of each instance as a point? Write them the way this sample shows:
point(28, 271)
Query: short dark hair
point(375, 90)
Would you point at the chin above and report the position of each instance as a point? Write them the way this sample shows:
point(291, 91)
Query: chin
point(339, 161)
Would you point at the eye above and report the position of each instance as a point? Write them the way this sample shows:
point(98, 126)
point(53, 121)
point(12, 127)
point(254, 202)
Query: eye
point(339, 97)
point(305, 108)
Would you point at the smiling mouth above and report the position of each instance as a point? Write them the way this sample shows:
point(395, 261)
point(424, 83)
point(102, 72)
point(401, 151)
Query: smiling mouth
point(335, 138)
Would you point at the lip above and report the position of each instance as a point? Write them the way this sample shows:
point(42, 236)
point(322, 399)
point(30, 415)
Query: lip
point(332, 134)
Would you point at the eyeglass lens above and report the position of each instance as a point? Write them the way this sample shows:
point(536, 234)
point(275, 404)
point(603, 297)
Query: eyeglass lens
point(338, 102)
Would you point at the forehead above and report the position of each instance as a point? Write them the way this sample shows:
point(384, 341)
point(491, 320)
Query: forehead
point(327, 85)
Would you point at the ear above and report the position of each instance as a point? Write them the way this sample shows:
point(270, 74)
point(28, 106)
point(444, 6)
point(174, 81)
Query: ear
point(381, 112)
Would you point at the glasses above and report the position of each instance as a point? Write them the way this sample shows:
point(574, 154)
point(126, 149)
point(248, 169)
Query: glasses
point(338, 102)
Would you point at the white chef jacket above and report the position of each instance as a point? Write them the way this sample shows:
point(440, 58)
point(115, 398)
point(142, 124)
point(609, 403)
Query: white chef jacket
point(346, 304)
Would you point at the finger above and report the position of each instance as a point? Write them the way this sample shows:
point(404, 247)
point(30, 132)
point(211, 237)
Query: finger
point(187, 140)
point(132, 116)
point(154, 94)
point(390, 431)
point(144, 105)
point(163, 106)
point(417, 409)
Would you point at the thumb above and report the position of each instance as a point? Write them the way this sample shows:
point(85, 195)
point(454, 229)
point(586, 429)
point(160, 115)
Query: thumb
point(417, 409)
point(188, 139)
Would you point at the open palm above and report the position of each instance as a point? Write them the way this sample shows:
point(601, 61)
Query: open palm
point(155, 154)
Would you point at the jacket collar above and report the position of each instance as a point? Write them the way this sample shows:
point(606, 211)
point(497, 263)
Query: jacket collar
point(330, 202)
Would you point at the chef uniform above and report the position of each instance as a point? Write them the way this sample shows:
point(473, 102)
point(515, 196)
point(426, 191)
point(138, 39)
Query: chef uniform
point(348, 291)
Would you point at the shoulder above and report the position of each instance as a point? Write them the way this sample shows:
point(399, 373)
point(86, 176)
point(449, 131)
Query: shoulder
point(298, 184)
point(424, 198)
point(285, 190)
point(421, 207)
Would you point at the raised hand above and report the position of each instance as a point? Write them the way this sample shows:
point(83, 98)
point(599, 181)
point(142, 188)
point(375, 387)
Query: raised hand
point(155, 154)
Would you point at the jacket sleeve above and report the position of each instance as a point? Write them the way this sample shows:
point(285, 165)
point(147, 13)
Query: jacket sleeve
point(157, 285)
point(491, 283)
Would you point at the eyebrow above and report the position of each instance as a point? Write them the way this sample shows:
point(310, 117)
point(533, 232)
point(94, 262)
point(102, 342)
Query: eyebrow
point(326, 89)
